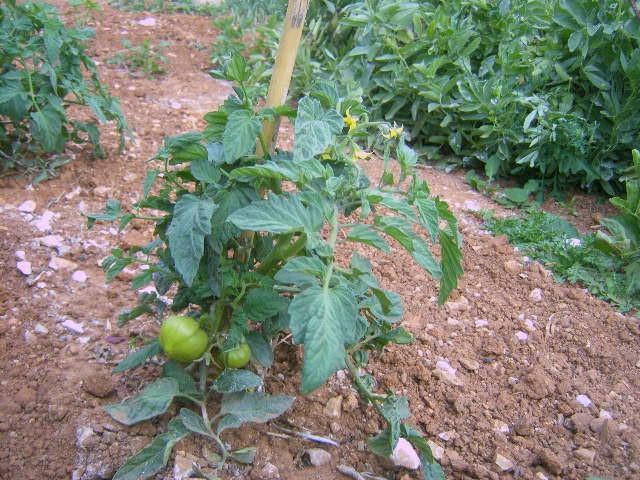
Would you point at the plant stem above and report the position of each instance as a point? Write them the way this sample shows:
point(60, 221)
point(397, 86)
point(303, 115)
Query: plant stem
point(373, 398)
point(333, 237)
point(203, 390)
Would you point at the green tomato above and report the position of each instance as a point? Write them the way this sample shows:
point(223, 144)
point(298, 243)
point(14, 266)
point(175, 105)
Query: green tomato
point(237, 357)
point(182, 339)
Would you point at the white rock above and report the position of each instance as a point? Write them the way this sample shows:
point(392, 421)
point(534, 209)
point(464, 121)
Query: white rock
point(535, 295)
point(583, 400)
point(39, 328)
point(147, 22)
point(79, 276)
point(530, 325)
point(24, 267)
point(500, 427)
point(84, 436)
point(41, 285)
point(101, 191)
point(27, 207)
point(175, 105)
point(522, 336)
point(51, 241)
point(72, 326)
point(183, 466)
point(481, 323)
point(43, 222)
point(58, 263)
point(459, 305)
point(503, 463)
point(472, 205)
point(606, 414)
point(73, 193)
point(20, 255)
point(447, 373)
point(405, 456)
point(318, 457)
point(574, 242)
point(436, 450)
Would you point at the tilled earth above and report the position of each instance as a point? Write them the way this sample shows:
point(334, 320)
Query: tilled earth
point(517, 376)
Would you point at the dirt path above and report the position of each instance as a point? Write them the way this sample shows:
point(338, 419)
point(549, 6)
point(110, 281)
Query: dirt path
point(516, 377)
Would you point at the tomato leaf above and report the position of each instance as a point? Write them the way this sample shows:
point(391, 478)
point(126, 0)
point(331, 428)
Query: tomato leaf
point(152, 458)
point(154, 400)
point(191, 222)
point(323, 319)
point(138, 357)
point(240, 135)
point(245, 407)
point(232, 380)
point(314, 128)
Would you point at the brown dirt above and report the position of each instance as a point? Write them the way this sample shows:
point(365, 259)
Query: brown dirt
point(516, 397)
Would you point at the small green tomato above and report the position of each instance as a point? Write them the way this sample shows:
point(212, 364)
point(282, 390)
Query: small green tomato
point(237, 357)
point(182, 339)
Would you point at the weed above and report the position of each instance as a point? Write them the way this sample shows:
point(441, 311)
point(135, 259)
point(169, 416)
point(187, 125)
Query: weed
point(144, 59)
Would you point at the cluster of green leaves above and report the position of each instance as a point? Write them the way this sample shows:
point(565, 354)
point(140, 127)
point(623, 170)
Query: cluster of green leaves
point(543, 90)
point(164, 6)
point(576, 258)
point(44, 69)
point(247, 244)
point(144, 59)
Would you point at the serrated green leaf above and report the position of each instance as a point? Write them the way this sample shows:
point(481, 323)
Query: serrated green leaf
point(314, 129)
point(245, 407)
point(240, 135)
point(149, 180)
point(399, 229)
point(47, 128)
point(301, 271)
point(154, 400)
point(111, 213)
point(428, 215)
point(323, 319)
point(278, 214)
point(138, 357)
point(191, 222)
point(232, 380)
point(451, 265)
point(262, 303)
point(365, 234)
point(152, 458)
point(186, 383)
point(194, 422)
point(261, 350)
point(245, 456)
point(205, 170)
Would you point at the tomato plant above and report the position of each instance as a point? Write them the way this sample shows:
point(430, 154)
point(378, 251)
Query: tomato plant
point(43, 71)
point(249, 246)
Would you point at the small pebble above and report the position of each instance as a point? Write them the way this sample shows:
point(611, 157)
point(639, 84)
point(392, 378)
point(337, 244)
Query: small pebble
point(79, 276)
point(583, 400)
point(24, 267)
point(20, 255)
point(27, 207)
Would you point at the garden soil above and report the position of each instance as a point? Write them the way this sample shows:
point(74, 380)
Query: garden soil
point(517, 376)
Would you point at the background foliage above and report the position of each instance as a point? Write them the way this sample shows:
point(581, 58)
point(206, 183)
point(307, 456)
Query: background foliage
point(540, 89)
point(44, 69)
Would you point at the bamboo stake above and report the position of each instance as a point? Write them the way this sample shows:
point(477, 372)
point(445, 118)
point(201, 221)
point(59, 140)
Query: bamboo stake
point(283, 67)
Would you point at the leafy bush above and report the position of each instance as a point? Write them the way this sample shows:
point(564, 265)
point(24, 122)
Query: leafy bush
point(144, 59)
point(623, 239)
point(544, 90)
point(42, 66)
point(247, 246)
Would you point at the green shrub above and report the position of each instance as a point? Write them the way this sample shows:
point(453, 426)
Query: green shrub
point(145, 59)
point(539, 89)
point(42, 73)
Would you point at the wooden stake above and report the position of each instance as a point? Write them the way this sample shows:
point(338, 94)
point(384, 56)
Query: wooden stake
point(283, 67)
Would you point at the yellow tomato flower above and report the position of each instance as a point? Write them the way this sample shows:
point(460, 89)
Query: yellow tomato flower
point(394, 132)
point(350, 121)
point(326, 155)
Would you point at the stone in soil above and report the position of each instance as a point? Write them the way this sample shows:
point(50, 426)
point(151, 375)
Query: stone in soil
point(74, 327)
point(29, 206)
point(98, 384)
point(51, 241)
point(58, 263)
point(586, 455)
point(334, 407)
point(550, 461)
point(405, 456)
point(24, 267)
point(183, 466)
point(505, 464)
point(267, 472)
point(317, 457)
point(79, 276)
point(583, 400)
point(536, 295)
